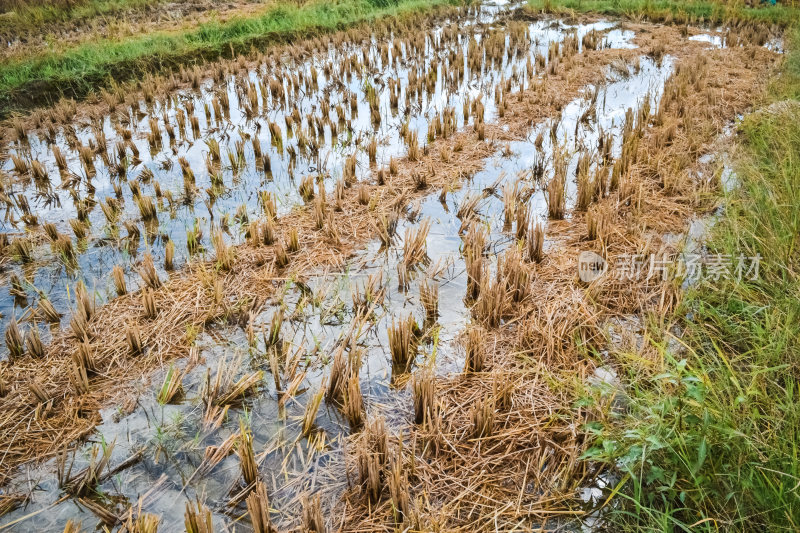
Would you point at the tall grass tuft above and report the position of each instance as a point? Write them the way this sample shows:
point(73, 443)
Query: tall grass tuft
point(312, 408)
point(424, 388)
point(258, 509)
point(14, 340)
point(403, 342)
point(197, 518)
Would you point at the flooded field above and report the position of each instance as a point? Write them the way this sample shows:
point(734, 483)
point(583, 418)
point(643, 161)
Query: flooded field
point(204, 167)
point(499, 138)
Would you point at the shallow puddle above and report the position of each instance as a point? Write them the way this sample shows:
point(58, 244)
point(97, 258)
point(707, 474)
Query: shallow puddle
point(168, 443)
point(305, 116)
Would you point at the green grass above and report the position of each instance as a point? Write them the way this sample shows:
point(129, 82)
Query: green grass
point(693, 11)
point(77, 71)
point(711, 442)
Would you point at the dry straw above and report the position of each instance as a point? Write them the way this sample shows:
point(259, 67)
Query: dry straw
point(424, 392)
point(538, 338)
point(244, 450)
point(415, 244)
point(429, 297)
point(403, 343)
point(535, 242)
point(172, 388)
point(197, 518)
point(354, 402)
point(475, 350)
point(312, 408)
point(313, 521)
point(14, 340)
point(147, 270)
point(258, 509)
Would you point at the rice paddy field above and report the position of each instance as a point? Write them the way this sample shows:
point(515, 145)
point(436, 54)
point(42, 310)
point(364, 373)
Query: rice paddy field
point(316, 266)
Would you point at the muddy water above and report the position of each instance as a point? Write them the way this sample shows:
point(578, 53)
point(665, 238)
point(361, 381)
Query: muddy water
point(229, 204)
point(171, 439)
point(109, 244)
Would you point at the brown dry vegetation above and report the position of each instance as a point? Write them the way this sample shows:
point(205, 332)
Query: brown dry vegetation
point(188, 302)
point(500, 445)
point(477, 468)
point(150, 87)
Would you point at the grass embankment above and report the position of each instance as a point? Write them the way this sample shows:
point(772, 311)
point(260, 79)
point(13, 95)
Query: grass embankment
point(77, 71)
point(710, 440)
point(678, 11)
